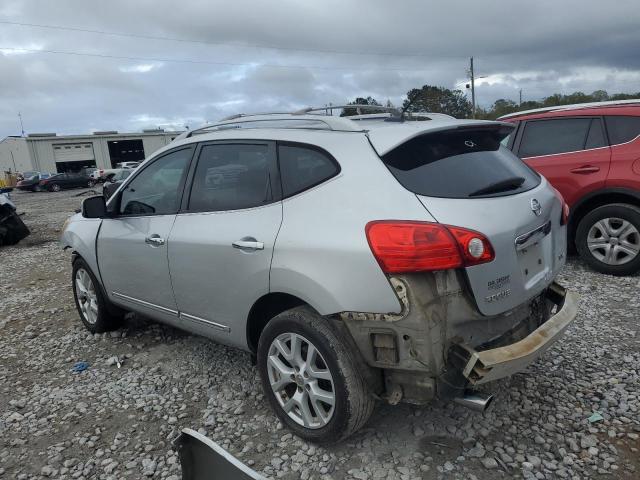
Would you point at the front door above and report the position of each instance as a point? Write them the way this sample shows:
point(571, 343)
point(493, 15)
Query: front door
point(572, 153)
point(221, 246)
point(132, 246)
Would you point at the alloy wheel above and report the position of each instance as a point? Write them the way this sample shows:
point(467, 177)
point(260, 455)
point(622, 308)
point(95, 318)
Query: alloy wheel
point(301, 381)
point(614, 241)
point(86, 295)
point(55, 187)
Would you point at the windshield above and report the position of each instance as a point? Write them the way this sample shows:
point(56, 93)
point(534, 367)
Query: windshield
point(460, 163)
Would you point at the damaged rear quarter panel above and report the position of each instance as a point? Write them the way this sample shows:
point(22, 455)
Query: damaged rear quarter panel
point(438, 311)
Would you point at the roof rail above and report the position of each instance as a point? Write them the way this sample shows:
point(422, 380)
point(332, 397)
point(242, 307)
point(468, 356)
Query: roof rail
point(314, 119)
point(574, 106)
point(358, 108)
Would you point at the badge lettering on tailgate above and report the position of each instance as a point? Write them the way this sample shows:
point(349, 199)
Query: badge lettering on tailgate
point(499, 282)
point(496, 297)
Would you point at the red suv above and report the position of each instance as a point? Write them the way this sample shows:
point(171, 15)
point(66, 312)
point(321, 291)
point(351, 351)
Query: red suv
point(591, 154)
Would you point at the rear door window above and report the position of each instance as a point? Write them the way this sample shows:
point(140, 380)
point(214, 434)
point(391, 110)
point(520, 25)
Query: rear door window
point(460, 163)
point(232, 177)
point(549, 137)
point(302, 167)
point(622, 129)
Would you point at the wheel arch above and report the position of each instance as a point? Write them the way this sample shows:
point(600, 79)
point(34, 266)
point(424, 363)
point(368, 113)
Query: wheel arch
point(264, 309)
point(599, 199)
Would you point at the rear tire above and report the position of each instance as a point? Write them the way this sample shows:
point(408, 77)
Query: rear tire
point(96, 312)
point(608, 239)
point(302, 386)
point(54, 188)
point(37, 188)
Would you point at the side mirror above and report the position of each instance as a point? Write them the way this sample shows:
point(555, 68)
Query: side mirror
point(94, 207)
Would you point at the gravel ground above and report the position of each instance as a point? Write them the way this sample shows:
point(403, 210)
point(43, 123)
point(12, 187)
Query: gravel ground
point(112, 423)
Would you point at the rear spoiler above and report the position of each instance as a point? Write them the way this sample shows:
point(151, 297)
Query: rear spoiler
point(203, 459)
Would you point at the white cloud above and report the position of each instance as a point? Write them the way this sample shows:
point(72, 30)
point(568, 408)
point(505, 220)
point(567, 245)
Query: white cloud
point(141, 68)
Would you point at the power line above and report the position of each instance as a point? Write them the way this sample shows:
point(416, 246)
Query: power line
point(206, 62)
point(209, 42)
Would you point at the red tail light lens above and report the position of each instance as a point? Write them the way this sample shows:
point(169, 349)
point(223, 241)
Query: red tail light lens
point(405, 246)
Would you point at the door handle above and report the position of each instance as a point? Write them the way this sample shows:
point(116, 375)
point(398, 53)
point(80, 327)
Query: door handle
point(154, 240)
point(248, 244)
point(585, 169)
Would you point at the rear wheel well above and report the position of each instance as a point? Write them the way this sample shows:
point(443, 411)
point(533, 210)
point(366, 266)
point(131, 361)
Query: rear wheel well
point(264, 310)
point(594, 202)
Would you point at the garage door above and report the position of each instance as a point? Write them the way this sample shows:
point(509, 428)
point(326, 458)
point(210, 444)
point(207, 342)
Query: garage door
point(71, 152)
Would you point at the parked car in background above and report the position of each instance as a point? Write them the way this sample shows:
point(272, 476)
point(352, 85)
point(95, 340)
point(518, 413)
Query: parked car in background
point(591, 154)
point(31, 181)
point(128, 164)
point(114, 180)
point(62, 181)
point(347, 294)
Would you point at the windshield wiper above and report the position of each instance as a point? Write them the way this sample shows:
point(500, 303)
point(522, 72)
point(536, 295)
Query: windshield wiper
point(501, 186)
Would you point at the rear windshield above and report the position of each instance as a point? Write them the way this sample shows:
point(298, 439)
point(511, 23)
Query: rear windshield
point(461, 163)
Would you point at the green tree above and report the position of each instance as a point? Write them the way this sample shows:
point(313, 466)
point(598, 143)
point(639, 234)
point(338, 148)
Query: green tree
point(348, 112)
point(434, 99)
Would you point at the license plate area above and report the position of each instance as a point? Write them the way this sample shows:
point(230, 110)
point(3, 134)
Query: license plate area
point(535, 262)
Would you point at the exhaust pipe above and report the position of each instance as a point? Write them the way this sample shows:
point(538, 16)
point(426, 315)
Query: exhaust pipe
point(478, 401)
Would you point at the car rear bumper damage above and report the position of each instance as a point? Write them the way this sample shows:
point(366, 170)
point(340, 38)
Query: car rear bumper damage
point(441, 346)
point(495, 363)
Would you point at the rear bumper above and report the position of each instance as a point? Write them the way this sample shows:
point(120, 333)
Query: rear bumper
point(489, 365)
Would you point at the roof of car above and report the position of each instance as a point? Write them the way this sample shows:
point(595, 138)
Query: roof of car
point(384, 131)
point(573, 107)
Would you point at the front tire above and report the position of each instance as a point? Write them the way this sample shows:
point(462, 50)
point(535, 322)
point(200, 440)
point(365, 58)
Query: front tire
point(608, 239)
point(310, 377)
point(96, 312)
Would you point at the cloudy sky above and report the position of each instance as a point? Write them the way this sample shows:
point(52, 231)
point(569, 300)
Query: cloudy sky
point(175, 63)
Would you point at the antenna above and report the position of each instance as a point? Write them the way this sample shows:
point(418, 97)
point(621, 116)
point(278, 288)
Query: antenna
point(21, 125)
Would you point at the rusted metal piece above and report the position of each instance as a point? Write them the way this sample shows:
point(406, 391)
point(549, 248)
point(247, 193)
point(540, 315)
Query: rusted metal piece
point(488, 365)
point(203, 459)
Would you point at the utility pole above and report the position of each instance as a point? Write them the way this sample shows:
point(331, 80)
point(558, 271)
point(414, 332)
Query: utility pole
point(21, 125)
point(520, 104)
point(473, 90)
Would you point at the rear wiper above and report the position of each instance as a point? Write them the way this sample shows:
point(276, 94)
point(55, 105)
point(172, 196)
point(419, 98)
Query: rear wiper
point(501, 186)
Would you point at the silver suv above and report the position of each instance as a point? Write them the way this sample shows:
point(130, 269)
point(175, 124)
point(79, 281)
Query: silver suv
point(357, 260)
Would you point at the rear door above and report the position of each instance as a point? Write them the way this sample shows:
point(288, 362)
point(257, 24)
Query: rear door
point(572, 153)
point(465, 178)
point(221, 246)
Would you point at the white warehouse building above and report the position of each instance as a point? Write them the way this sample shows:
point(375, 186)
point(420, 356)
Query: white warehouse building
point(48, 152)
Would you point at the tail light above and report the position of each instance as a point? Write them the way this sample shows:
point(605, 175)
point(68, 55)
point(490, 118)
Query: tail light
point(406, 246)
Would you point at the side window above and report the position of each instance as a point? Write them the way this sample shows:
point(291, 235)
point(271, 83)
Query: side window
point(595, 138)
point(155, 190)
point(622, 129)
point(302, 168)
point(548, 137)
point(231, 177)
